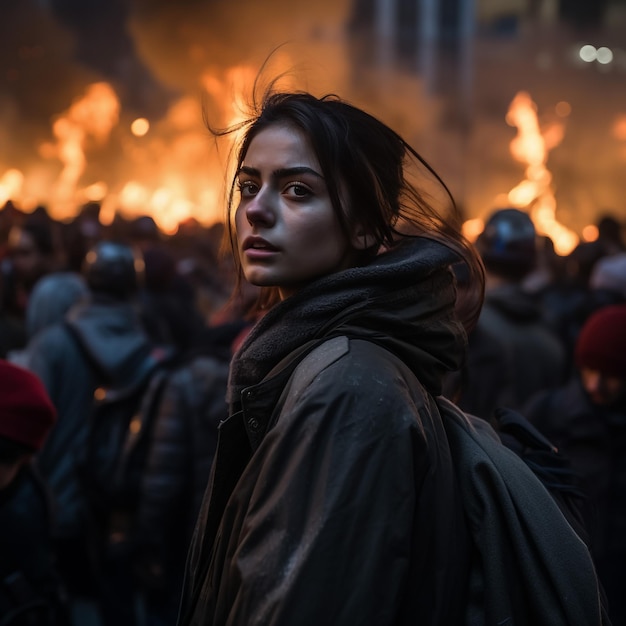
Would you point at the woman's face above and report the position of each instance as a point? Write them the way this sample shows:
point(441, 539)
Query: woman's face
point(287, 231)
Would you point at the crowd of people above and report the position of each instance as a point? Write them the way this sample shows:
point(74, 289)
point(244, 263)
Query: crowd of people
point(84, 307)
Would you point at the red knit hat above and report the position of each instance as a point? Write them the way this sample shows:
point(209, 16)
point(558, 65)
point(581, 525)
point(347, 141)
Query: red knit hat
point(26, 411)
point(601, 344)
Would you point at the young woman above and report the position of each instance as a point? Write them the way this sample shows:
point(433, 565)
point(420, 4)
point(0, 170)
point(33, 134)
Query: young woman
point(333, 499)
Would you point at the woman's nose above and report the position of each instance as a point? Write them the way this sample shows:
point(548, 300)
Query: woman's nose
point(260, 209)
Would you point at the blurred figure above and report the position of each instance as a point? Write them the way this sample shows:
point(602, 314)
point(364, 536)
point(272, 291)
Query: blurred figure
point(586, 420)
point(12, 330)
point(168, 301)
point(81, 235)
point(610, 234)
point(184, 440)
point(608, 280)
point(31, 253)
point(31, 593)
point(51, 298)
point(100, 343)
point(176, 475)
point(510, 322)
point(595, 277)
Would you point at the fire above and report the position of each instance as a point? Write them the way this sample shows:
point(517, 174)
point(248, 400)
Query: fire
point(92, 116)
point(169, 168)
point(531, 146)
point(10, 185)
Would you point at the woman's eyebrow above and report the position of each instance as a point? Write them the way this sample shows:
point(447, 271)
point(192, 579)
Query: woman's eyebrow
point(283, 172)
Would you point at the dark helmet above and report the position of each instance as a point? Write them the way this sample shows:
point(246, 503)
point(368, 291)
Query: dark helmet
point(508, 243)
point(113, 268)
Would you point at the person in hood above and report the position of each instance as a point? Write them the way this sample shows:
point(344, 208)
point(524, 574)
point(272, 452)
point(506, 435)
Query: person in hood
point(334, 501)
point(99, 343)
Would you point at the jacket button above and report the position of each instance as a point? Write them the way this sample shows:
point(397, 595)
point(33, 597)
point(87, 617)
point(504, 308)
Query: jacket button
point(253, 423)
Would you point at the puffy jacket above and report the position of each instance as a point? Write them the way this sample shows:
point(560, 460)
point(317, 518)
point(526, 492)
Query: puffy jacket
point(178, 464)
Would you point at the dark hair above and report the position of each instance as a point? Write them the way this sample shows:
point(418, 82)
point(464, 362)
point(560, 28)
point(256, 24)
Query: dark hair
point(360, 156)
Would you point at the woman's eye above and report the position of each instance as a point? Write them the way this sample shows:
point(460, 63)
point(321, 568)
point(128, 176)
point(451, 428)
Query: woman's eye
point(247, 188)
point(298, 190)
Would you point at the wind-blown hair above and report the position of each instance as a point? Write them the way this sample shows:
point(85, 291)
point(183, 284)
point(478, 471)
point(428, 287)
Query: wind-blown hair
point(370, 173)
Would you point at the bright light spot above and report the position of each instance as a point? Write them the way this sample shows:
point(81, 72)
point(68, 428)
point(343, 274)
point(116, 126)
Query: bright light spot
point(472, 228)
point(10, 185)
point(563, 109)
point(588, 53)
point(604, 55)
point(140, 127)
point(590, 232)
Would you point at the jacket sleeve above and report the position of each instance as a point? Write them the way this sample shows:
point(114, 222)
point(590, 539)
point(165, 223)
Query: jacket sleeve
point(325, 538)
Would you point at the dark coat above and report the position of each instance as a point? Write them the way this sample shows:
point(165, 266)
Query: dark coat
point(338, 504)
point(593, 438)
point(178, 464)
point(342, 512)
point(29, 581)
point(113, 351)
point(533, 358)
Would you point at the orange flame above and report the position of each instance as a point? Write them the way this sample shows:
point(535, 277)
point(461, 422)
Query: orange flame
point(94, 115)
point(531, 146)
point(10, 185)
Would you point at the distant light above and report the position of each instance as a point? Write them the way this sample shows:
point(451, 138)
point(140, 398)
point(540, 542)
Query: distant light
point(604, 55)
point(472, 228)
point(588, 53)
point(140, 127)
point(563, 109)
point(590, 232)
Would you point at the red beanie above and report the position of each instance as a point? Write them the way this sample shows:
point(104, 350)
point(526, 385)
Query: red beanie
point(601, 344)
point(26, 411)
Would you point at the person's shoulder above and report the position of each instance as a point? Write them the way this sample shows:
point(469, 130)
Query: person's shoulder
point(356, 386)
point(52, 343)
point(367, 371)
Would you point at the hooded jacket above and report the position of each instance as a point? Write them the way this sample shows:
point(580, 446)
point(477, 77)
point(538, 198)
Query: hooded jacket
point(100, 343)
point(336, 503)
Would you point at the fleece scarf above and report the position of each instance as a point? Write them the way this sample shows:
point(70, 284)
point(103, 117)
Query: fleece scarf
point(404, 300)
